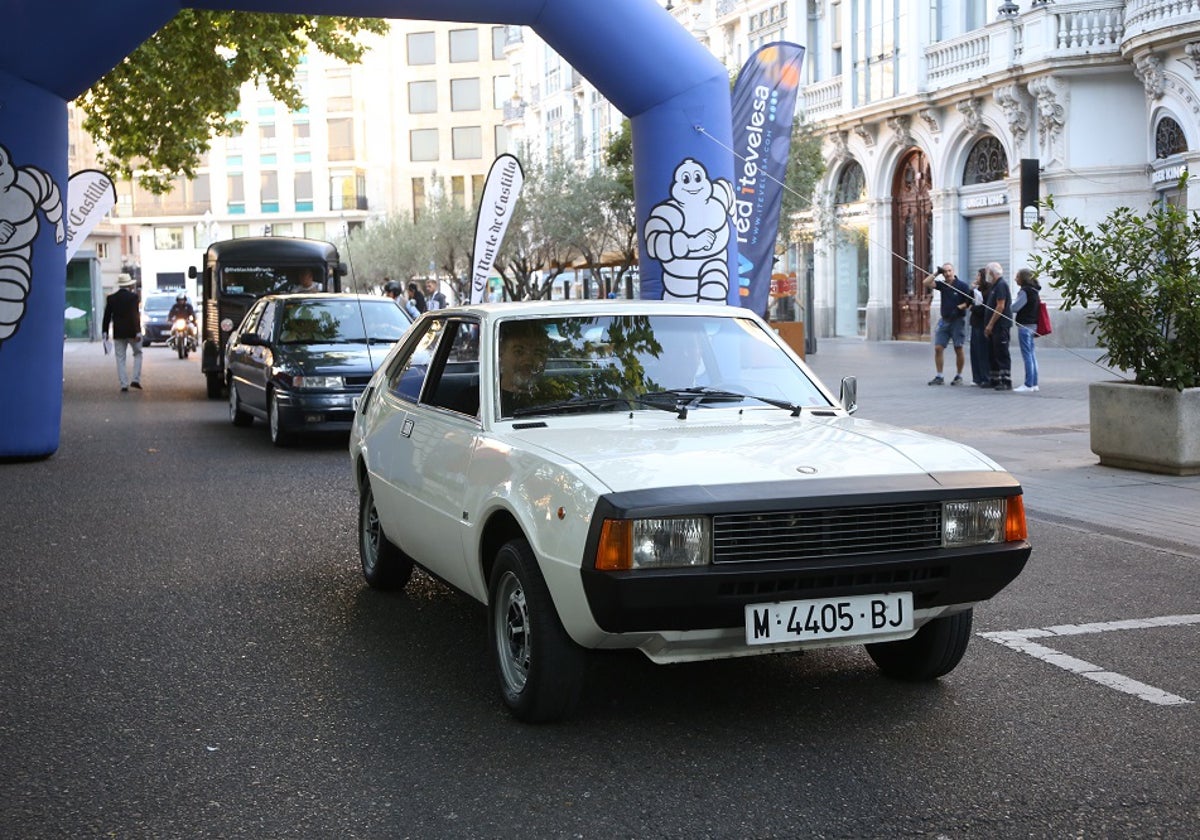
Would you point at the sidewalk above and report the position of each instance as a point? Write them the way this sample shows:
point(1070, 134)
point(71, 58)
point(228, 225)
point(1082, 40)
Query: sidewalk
point(1041, 438)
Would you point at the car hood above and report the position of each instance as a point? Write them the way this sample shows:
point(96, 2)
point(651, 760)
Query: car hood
point(725, 447)
point(332, 359)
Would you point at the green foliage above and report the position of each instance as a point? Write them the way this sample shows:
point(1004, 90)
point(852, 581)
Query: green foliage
point(1143, 270)
point(805, 167)
point(153, 114)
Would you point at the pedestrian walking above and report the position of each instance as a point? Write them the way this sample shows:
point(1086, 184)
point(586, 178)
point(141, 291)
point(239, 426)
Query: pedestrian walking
point(999, 328)
point(952, 325)
point(434, 298)
point(122, 312)
point(415, 303)
point(1025, 309)
point(981, 364)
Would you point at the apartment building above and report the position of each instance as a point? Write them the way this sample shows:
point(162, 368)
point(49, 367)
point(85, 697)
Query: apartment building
point(422, 115)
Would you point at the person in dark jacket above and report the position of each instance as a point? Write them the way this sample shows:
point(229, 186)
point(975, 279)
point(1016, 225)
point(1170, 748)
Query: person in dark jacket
point(981, 364)
point(1025, 309)
point(122, 312)
point(999, 327)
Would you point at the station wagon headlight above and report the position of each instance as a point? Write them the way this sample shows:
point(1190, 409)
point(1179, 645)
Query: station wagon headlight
point(981, 521)
point(654, 543)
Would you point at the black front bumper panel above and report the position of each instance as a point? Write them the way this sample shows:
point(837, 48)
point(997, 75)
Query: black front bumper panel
point(715, 596)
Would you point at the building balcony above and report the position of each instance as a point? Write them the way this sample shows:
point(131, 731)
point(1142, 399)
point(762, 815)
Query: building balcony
point(822, 99)
point(514, 110)
point(1159, 24)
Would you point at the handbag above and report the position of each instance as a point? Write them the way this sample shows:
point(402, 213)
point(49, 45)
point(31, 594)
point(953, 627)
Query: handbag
point(1043, 322)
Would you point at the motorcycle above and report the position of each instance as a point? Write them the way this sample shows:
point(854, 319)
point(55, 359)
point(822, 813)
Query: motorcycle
point(183, 336)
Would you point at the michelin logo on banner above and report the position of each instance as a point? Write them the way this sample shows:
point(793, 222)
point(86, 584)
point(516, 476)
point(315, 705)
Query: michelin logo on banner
point(500, 192)
point(764, 101)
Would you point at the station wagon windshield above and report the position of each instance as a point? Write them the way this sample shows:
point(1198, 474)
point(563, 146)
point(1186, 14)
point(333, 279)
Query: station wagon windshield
point(644, 362)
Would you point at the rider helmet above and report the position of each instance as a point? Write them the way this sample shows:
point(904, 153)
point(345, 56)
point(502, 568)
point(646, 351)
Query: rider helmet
point(181, 297)
point(393, 288)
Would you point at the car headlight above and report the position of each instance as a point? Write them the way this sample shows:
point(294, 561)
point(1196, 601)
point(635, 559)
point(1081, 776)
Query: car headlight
point(654, 543)
point(310, 383)
point(981, 521)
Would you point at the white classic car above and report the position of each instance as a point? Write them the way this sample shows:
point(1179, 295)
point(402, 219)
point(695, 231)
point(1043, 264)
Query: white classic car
point(672, 478)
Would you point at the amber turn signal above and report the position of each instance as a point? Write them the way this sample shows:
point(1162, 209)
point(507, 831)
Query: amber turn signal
point(1014, 521)
point(615, 551)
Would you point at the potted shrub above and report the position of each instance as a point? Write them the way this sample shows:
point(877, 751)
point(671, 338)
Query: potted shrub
point(1142, 271)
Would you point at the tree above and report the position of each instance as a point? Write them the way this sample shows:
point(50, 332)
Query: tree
point(618, 156)
point(154, 113)
point(805, 167)
point(537, 245)
point(450, 232)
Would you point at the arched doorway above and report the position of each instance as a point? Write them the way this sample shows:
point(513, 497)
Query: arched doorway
point(912, 230)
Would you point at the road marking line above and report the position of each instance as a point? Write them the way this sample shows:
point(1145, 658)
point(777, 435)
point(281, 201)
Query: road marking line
point(1021, 641)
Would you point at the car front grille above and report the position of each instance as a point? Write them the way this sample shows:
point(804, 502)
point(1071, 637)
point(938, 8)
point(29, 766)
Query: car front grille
point(821, 533)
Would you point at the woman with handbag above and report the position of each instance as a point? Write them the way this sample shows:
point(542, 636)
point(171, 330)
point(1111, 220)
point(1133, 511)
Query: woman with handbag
point(1026, 309)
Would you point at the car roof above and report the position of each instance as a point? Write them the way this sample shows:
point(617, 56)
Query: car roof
point(596, 308)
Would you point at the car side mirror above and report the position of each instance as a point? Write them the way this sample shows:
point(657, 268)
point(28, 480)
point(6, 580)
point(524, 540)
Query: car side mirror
point(849, 395)
point(253, 339)
point(341, 270)
point(192, 272)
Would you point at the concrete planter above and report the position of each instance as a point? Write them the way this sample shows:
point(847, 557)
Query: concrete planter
point(1139, 427)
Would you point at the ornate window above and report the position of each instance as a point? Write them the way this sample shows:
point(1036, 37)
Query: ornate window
point(851, 185)
point(986, 162)
point(1168, 139)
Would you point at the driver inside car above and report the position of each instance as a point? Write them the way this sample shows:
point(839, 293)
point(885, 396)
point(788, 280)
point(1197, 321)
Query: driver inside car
point(524, 346)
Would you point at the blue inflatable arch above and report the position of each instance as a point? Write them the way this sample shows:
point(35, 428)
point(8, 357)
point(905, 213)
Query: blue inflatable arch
point(674, 91)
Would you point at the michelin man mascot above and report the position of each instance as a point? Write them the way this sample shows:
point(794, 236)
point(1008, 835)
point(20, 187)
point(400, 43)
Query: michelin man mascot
point(22, 192)
point(689, 232)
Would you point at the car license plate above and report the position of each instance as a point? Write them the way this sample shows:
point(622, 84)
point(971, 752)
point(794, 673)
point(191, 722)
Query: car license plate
point(828, 618)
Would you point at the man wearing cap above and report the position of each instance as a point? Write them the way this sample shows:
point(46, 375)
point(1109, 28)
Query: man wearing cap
point(121, 310)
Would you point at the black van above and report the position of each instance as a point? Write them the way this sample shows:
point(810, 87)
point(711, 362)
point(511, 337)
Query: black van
point(238, 272)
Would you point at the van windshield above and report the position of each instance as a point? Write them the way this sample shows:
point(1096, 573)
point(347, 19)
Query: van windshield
point(259, 280)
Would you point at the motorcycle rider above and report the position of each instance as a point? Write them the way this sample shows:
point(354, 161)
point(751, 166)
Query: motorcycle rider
point(184, 309)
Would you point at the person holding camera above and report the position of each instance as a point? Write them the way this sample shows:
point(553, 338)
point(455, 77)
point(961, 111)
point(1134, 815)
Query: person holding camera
point(952, 325)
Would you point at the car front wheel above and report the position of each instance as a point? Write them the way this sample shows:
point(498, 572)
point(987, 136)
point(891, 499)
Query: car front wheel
point(540, 668)
point(384, 565)
point(934, 652)
point(280, 436)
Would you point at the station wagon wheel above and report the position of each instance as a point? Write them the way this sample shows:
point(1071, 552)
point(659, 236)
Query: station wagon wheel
point(934, 652)
point(237, 415)
point(384, 565)
point(541, 669)
point(279, 435)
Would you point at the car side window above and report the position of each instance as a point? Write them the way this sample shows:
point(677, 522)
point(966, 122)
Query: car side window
point(407, 376)
point(457, 378)
point(266, 319)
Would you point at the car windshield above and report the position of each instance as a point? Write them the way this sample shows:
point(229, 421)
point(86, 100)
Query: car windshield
point(645, 362)
point(160, 303)
point(259, 280)
point(336, 321)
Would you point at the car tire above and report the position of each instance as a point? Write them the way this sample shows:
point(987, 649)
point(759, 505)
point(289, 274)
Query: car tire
point(280, 436)
point(384, 565)
point(934, 652)
point(540, 668)
point(237, 415)
point(146, 342)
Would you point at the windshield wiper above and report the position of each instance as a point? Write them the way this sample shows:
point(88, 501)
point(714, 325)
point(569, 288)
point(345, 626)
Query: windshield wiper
point(689, 398)
point(581, 404)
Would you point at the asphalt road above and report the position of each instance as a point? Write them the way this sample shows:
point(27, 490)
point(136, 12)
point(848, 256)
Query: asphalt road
point(187, 650)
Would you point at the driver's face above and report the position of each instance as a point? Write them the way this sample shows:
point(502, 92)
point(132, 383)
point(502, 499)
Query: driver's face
point(522, 359)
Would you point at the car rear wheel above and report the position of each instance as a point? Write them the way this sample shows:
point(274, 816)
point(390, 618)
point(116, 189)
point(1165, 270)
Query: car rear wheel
point(541, 669)
point(237, 416)
point(934, 652)
point(280, 436)
point(384, 565)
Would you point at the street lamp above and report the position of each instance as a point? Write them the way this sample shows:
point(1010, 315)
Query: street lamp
point(1009, 9)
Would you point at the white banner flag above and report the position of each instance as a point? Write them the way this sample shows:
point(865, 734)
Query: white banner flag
point(504, 182)
point(90, 195)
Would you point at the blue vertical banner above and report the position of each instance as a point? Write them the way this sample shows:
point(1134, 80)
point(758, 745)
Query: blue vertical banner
point(764, 102)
